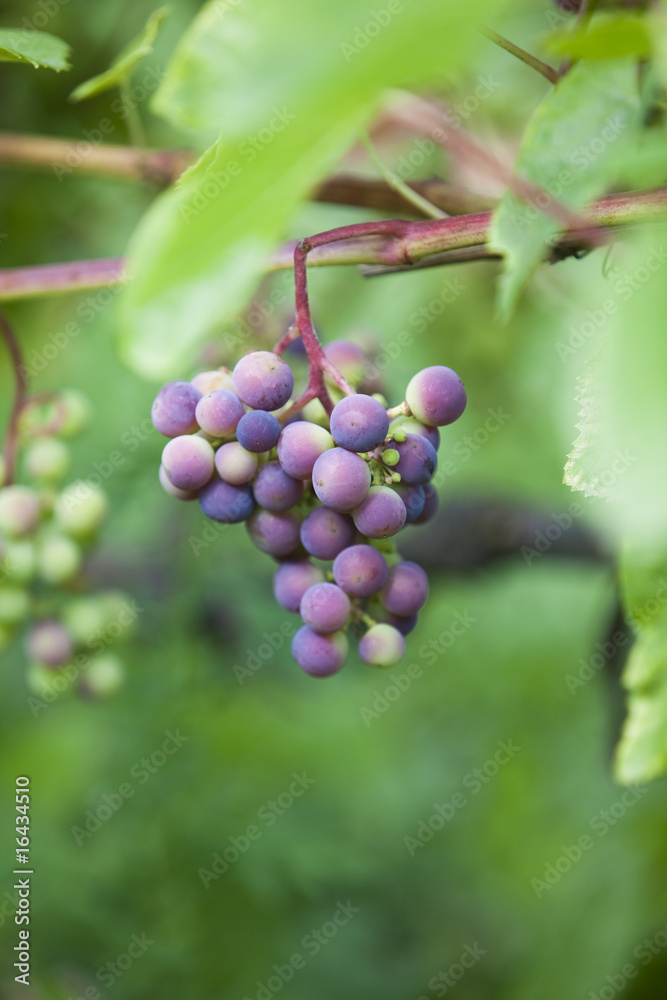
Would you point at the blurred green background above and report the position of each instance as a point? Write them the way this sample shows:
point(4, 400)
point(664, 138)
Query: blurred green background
point(376, 769)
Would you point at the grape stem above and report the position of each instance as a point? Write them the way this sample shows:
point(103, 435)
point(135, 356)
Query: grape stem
point(20, 396)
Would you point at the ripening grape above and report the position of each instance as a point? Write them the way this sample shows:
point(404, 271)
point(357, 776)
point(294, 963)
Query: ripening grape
point(299, 447)
point(359, 423)
point(275, 490)
point(325, 533)
point(413, 497)
point(406, 589)
point(49, 643)
point(223, 502)
point(19, 511)
point(258, 431)
point(360, 570)
point(234, 464)
point(188, 461)
point(380, 514)
point(219, 378)
point(263, 380)
point(218, 412)
point(319, 655)
point(341, 479)
point(409, 425)
point(172, 490)
point(382, 646)
point(349, 358)
point(275, 534)
point(436, 396)
point(325, 608)
point(431, 504)
point(47, 460)
point(417, 459)
point(292, 580)
point(173, 410)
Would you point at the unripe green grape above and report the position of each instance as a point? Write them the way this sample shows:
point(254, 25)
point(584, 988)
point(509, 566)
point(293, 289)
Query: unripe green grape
point(315, 412)
point(19, 511)
point(47, 460)
point(84, 616)
point(103, 677)
point(19, 561)
point(14, 604)
point(58, 558)
point(77, 412)
point(80, 509)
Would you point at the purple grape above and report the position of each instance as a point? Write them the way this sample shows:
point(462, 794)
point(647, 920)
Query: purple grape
point(382, 646)
point(258, 431)
point(359, 423)
point(417, 459)
point(234, 464)
point(49, 643)
point(404, 623)
point(349, 358)
point(431, 504)
point(412, 426)
point(319, 655)
point(414, 499)
point(325, 533)
point(360, 570)
point(341, 479)
point(275, 534)
point(325, 608)
point(406, 589)
point(223, 502)
point(188, 461)
point(292, 580)
point(436, 396)
point(219, 378)
point(300, 445)
point(173, 410)
point(172, 490)
point(218, 412)
point(263, 380)
point(274, 489)
point(381, 514)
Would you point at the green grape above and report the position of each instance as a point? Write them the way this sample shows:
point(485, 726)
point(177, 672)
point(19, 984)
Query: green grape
point(103, 677)
point(19, 561)
point(78, 412)
point(47, 460)
point(58, 558)
point(14, 604)
point(80, 509)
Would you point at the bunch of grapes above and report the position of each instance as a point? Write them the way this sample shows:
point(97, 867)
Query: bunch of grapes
point(45, 530)
point(323, 496)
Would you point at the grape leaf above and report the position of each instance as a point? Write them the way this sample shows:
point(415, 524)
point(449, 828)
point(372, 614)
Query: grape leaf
point(641, 754)
point(570, 149)
point(611, 38)
point(122, 66)
point(35, 47)
point(288, 86)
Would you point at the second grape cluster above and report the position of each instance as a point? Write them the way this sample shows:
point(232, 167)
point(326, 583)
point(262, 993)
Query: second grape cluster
point(320, 495)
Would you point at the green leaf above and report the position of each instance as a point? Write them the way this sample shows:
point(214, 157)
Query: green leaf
point(642, 751)
point(611, 38)
point(122, 67)
point(289, 86)
point(35, 47)
point(569, 150)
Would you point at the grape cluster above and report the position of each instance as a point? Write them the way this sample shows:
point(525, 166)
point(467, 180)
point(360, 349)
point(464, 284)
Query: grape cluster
point(45, 530)
point(316, 489)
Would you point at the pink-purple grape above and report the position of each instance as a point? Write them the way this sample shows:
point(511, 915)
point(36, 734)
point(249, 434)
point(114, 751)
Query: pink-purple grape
point(275, 490)
point(319, 655)
point(380, 514)
point(172, 490)
point(291, 581)
point(436, 396)
point(413, 497)
point(173, 410)
point(263, 380)
point(359, 423)
point(406, 589)
point(341, 479)
point(417, 459)
point(49, 643)
point(431, 504)
point(360, 570)
point(218, 412)
point(209, 381)
point(258, 431)
point(188, 461)
point(300, 445)
point(274, 533)
point(325, 608)
point(223, 502)
point(19, 510)
point(325, 533)
point(234, 464)
point(349, 358)
point(382, 646)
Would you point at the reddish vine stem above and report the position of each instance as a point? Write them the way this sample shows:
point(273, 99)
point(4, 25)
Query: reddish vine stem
point(20, 396)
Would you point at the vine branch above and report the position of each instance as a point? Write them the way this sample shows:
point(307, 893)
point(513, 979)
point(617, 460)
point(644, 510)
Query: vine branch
point(20, 396)
point(548, 72)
